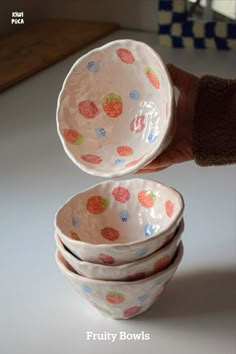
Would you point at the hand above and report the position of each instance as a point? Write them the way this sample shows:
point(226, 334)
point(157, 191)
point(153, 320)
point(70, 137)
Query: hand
point(180, 149)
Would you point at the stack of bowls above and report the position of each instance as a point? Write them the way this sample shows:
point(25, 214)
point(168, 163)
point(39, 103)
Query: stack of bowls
point(119, 242)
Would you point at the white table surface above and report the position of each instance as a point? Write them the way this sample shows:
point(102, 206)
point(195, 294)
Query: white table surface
point(39, 311)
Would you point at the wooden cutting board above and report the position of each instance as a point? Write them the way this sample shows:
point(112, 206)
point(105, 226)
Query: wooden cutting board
point(30, 50)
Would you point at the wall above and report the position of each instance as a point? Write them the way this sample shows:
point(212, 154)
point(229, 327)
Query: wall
point(135, 14)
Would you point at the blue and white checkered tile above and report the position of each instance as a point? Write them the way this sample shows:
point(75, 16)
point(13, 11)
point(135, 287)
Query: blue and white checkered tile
point(176, 30)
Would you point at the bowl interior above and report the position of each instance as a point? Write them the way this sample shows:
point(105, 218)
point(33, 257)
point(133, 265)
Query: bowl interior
point(115, 107)
point(116, 212)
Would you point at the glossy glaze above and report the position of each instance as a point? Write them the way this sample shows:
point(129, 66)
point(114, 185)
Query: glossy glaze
point(121, 299)
point(115, 109)
point(124, 220)
point(145, 267)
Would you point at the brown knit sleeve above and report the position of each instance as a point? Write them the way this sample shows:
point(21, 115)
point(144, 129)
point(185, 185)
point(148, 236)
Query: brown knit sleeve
point(214, 122)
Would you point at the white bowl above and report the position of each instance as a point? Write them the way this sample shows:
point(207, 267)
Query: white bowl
point(115, 109)
point(121, 299)
point(117, 222)
point(140, 269)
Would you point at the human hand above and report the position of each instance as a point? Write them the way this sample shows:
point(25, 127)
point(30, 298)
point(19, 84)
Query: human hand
point(180, 149)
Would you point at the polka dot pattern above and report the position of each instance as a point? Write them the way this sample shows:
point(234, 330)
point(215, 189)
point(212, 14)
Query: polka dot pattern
point(86, 112)
point(123, 299)
point(107, 214)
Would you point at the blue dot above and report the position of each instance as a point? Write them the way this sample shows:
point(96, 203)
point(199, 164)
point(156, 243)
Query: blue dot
point(141, 252)
point(119, 161)
point(142, 298)
point(100, 132)
point(152, 137)
point(134, 95)
point(124, 215)
point(92, 66)
point(86, 289)
point(75, 221)
point(160, 281)
point(149, 230)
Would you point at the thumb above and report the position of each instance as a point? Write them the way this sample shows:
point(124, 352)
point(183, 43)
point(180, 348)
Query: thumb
point(181, 79)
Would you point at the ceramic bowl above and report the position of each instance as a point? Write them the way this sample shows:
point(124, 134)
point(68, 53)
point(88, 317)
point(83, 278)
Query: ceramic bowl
point(117, 222)
point(143, 268)
point(115, 109)
point(121, 299)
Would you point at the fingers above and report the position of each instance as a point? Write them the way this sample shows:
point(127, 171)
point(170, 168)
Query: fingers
point(146, 170)
point(180, 78)
point(163, 161)
point(157, 165)
point(181, 153)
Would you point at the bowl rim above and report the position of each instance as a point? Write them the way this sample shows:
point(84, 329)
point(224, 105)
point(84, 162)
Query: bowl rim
point(156, 149)
point(173, 265)
point(176, 239)
point(171, 227)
